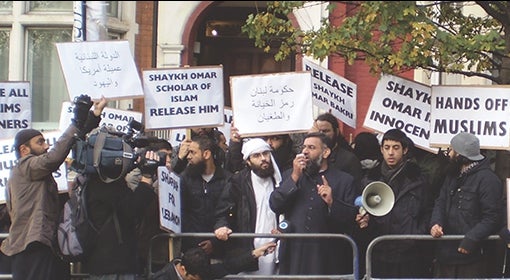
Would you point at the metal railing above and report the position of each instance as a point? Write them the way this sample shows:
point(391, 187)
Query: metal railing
point(354, 246)
point(382, 238)
point(355, 262)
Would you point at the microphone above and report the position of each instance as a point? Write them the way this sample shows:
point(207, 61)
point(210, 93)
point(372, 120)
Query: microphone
point(283, 227)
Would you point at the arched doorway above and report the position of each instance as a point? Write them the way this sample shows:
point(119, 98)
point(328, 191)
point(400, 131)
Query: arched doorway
point(216, 37)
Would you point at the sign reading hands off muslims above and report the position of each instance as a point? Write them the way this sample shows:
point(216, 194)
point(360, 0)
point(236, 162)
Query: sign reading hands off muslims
point(272, 103)
point(333, 93)
point(183, 97)
point(403, 104)
point(15, 108)
point(481, 110)
point(99, 68)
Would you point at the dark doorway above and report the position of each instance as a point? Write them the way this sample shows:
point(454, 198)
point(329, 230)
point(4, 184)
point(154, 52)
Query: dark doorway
point(220, 41)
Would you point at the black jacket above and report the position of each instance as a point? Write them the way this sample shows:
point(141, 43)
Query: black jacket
point(198, 202)
point(468, 205)
point(115, 251)
point(410, 213)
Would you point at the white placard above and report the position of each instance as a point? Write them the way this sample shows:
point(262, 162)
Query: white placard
point(333, 93)
point(113, 118)
point(403, 104)
point(272, 103)
point(481, 110)
point(99, 68)
point(183, 97)
point(169, 193)
point(8, 161)
point(15, 108)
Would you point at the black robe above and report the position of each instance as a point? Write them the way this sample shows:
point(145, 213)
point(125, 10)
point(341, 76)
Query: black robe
point(308, 213)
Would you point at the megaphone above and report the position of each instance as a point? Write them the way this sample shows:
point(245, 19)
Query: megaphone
point(377, 199)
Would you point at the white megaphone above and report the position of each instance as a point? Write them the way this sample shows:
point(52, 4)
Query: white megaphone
point(377, 199)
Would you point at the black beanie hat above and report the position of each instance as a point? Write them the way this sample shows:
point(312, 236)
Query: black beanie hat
point(23, 136)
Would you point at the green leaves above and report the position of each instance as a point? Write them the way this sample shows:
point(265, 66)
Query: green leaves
point(391, 36)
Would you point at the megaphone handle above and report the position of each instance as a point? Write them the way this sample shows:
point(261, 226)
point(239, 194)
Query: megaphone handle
point(362, 211)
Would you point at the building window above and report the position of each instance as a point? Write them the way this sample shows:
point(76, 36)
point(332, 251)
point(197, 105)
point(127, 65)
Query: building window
point(4, 54)
point(45, 74)
point(6, 6)
point(51, 6)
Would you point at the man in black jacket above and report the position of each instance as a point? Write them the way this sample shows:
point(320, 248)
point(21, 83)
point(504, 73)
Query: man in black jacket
point(244, 204)
point(469, 204)
point(410, 213)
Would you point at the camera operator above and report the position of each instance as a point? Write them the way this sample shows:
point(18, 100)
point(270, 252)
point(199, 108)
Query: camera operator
point(114, 255)
point(149, 224)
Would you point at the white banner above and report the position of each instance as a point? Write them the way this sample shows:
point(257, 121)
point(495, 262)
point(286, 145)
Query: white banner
point(403, 104)
point(272, 103)
point(183, 97)
point(333, 93)
point(15, 108)
point(169, 200)
point(480, 110)
point(100, 68)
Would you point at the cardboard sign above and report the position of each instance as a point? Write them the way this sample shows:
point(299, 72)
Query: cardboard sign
point(99, 68)
point(169, 200)
point(15, 108)
point(403, 104)
point(272, 103)
point(480, 110)
point(183, 97)
point(333, 93)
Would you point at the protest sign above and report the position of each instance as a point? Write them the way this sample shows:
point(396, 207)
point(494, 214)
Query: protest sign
point(183, 97)
point(480, 110)
point(112, 118)
point(15, 108)
point(8, 161)
point(99, 68)
point(169, 200)
point(272, 103)
point(178, 135)
point(333, 93)
point(403, 104)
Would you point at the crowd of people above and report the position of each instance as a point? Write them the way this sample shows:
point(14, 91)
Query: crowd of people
point(254, 185)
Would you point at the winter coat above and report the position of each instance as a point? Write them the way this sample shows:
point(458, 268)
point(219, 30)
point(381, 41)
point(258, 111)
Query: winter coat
point(32, 196)
point(198, 202)
point(410, 213)
point(468, 205)
point(115, 250)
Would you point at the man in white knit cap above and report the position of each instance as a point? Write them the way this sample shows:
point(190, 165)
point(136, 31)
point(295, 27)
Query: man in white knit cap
point(244, 205)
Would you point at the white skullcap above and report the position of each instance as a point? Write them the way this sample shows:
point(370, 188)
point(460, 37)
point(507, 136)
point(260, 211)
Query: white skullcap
point(254, 146)
point(257, 145)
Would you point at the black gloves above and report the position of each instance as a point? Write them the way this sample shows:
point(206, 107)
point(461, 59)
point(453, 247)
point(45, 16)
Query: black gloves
point(82, 105)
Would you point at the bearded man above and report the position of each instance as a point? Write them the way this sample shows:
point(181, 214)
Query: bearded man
point(244, 205)
point(202, 183)
point(314, 199)
point(469, 204)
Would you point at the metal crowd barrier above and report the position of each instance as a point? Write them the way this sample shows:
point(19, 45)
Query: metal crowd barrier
point(354, 276)
point(355, 263)
point(382, 238)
